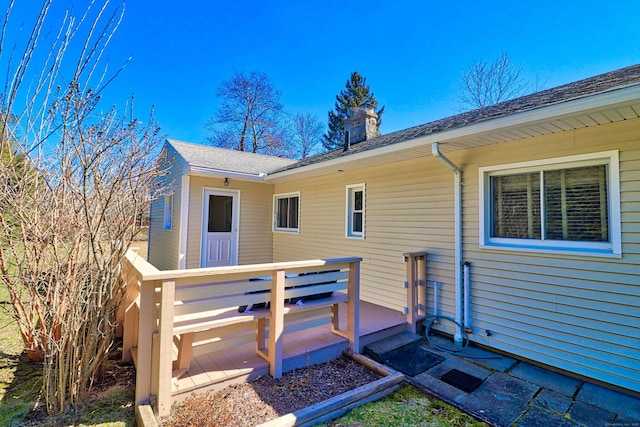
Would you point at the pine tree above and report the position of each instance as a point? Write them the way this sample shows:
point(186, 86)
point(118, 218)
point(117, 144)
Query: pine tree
point(356, 93)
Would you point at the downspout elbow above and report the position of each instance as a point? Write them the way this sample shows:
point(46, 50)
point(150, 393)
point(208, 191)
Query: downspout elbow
point(435, 150)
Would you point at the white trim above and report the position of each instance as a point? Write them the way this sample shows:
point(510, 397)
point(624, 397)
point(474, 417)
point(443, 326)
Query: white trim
point(612, 248)
point(275, 227)
point(235, 227)
point(201, 171)
point(348, 233)
point(184, 221)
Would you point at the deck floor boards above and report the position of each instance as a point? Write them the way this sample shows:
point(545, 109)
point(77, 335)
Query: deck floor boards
point(237, 364)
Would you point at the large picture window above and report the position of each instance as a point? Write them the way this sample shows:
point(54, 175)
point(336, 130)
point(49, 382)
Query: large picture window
point(569, 203)
point(355, 211)
point(287, 212)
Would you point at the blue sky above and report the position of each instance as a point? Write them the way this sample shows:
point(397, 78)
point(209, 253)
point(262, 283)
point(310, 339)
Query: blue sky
point(411, 52)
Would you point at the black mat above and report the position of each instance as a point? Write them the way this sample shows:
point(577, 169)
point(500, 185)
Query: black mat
point(413, 360)
point(461, 380)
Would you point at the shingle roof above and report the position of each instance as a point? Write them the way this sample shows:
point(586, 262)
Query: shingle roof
point(602, 83)
point(219, 159)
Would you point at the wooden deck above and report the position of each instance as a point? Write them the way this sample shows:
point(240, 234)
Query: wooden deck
point(214, 371)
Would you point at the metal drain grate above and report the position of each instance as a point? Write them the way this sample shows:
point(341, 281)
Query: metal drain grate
point(413, 360)
point(461, 380)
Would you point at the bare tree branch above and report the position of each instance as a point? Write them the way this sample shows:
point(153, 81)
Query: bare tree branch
point(487, 83)
point(73, 181)
point(307, 134)
point(250, 116)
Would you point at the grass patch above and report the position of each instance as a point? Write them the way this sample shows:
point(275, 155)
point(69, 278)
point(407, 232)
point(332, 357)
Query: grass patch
point(112, 408)
point(406, 407)
point(21, 383)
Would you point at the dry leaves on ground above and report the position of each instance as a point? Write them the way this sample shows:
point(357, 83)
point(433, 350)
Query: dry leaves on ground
point(264, 399)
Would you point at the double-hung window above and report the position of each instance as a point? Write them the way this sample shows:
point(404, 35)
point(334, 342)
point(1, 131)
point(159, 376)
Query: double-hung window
point(287, 212)
point(355, 211)
point(568, 204)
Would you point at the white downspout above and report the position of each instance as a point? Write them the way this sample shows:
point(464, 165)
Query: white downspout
point(457, 236)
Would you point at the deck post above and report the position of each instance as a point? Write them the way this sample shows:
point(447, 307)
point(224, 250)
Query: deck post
point(185, 349)
point(130, 310)
point(165, 346)
point(353, 307)
point(145, 336)
point(416, 288)
point(276, 323)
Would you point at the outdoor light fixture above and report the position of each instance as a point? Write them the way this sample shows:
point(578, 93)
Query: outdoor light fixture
point(226, 182)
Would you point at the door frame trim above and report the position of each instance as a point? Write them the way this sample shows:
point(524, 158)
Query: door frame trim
point(235, 227)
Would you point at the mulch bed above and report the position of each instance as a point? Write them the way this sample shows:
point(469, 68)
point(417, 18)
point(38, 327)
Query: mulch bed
point(264, 399)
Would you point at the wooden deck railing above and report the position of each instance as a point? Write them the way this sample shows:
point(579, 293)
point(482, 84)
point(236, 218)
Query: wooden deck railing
point(165, 309)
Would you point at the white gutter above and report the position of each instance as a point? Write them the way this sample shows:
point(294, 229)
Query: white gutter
point(457, 236)
point(197, 170)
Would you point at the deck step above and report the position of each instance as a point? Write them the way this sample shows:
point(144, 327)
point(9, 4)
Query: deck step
point(404, 352)
point(385, 348)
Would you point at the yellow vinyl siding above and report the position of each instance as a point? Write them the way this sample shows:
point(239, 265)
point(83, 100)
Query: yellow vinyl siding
point(416, 218)
point(571, 311)
point(163, 244)
point(574, 312)
point(255, 243)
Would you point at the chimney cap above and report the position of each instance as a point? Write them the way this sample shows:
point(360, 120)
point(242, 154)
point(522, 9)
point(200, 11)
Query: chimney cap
point(365, 107)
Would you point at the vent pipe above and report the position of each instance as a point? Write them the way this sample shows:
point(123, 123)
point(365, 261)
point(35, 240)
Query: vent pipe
point(457, 236)
point(347, 141)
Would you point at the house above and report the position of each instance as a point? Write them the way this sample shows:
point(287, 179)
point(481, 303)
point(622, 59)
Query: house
point(533, 205)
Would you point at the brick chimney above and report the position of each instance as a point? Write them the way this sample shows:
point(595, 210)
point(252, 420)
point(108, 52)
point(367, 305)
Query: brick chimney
point(361, 125)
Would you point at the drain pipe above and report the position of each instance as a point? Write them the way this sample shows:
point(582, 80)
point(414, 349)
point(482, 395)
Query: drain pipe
point(466, 267)
point(457, 231)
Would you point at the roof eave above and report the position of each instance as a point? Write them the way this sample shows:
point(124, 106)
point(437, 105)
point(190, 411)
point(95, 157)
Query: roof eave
point(560, 109)
point(208, 172)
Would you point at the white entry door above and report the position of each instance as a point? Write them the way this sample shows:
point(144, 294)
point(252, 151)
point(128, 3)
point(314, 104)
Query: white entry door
point(219, 229)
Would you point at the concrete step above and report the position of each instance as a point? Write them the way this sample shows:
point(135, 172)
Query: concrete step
point(385, 348)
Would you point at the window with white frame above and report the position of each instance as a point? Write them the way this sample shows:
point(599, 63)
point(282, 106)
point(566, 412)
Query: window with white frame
point(286, 212)
point(569, 203)
point(168, 211)
point(355, 211)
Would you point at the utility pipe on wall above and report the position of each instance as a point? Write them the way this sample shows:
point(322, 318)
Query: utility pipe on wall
point(436, 285)
point(457, 236)
point(466, 285)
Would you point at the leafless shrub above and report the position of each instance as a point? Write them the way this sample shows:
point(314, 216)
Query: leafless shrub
point(73, 180)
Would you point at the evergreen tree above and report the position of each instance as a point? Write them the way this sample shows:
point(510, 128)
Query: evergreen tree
point(356, 93)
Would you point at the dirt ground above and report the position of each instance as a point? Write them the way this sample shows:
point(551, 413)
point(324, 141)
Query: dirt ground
point(266, 398)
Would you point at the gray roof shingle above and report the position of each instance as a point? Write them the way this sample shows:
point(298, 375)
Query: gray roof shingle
point(602, 83)
point(220, 159)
